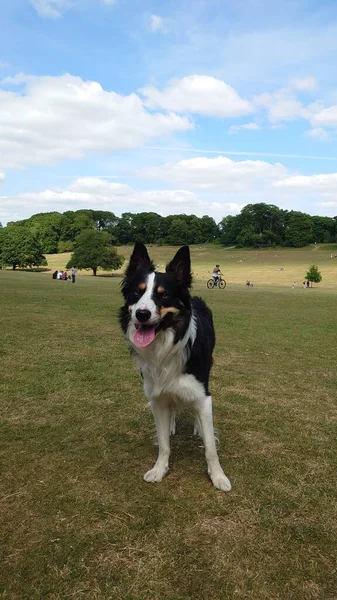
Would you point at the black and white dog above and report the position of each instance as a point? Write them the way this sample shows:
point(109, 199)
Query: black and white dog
point(172, 339)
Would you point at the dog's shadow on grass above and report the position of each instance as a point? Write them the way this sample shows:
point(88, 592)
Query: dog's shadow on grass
point(185, 445)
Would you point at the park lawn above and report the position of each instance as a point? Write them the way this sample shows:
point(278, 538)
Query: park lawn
point(279, 267)
point(78, 521)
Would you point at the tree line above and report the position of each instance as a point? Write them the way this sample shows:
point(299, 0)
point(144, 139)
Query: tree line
point(267, 225)
point(57, 232)
point(24, 243)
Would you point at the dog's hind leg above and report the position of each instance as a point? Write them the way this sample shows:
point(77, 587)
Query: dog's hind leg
point(204, 419)
point(162, 415)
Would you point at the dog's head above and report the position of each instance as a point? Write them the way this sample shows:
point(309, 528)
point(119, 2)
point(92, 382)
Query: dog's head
point(155, 301)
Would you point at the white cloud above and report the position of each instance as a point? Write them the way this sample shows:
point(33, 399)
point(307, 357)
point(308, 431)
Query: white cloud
point(304, 84)
point(50, 8)
point(158, 24)
point(55, 118)
point(216, 189)
point(219, 174)
point(2, 176)
point(326, 117)
point(319, 134)
point(198, 94)
point(324, 183)
point(54, 9)
point(91, 192)
point(244, 127)
point(281, 105)
point(331, 204)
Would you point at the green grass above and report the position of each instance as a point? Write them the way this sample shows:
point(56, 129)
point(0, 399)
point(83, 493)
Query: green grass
point(279, 267)
point(77, 519)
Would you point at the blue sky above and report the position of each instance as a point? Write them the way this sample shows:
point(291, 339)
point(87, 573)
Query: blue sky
point(177, 106)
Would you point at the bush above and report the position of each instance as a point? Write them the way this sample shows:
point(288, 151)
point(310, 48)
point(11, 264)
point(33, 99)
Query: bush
point(65, 246)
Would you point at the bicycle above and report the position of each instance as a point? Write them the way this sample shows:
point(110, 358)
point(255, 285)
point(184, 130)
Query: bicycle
point(221, 283)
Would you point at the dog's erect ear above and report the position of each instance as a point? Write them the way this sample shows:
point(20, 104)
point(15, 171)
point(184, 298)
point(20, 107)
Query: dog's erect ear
point(180, 266)
point(139, 259)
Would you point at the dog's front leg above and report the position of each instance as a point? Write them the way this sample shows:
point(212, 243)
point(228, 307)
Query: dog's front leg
point(204, 418)
point(162, 415)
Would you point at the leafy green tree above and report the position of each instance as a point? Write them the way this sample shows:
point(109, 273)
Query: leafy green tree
point(67, 231)
point(298, 229)
point(195, 234)
point(147, 227)
point(209, 229)
point(93, 250)
point(324, 229)
point(104, 220)
point(46, 228)
point(248, 236)
point(124, 230)
point(229, 230)
point(65, 246)
point(20, 248)
point(313, 275)
point(257, 225)
point(178, 232)
point(82, 221)
point(263, 217)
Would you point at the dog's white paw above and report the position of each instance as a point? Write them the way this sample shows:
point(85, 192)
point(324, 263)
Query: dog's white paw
point(156, 474)
point(220, 481)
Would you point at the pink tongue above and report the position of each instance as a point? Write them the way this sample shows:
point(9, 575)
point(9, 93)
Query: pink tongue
point(144, 337)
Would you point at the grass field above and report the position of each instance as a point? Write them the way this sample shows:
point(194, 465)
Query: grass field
point(278, 267)
point(78, 521)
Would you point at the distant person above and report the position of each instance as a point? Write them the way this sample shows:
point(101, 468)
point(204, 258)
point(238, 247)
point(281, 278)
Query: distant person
point(55, 275)
point(59, 274)
point(64, 276)
point(216, 273)
point(293, 285)
point(73, 274)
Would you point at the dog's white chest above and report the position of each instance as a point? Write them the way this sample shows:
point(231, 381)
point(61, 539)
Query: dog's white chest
point(162, 364)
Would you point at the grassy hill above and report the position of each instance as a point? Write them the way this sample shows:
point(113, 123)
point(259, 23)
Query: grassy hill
point(278, 267)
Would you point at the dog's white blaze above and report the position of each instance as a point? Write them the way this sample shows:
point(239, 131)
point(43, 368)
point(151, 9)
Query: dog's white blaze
point(146, 301)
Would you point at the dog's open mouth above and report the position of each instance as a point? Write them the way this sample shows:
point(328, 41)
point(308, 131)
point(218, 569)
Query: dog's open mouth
point(144, 334)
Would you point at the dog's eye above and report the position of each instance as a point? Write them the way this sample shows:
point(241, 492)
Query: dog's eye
point(137, 293)
point(164, 295)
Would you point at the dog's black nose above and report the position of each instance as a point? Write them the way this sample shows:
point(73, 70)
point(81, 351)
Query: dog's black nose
point(143, 315)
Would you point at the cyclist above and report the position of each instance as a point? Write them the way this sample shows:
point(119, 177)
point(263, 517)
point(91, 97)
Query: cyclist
point(216, 273)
